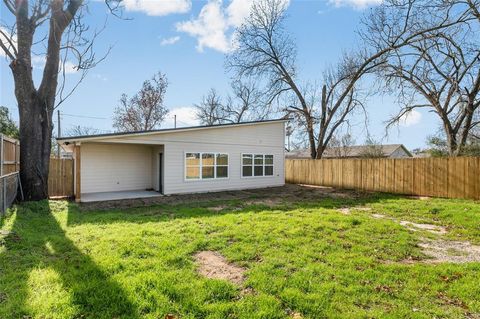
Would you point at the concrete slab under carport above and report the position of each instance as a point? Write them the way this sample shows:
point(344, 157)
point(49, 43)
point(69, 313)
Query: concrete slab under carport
point(107, 196)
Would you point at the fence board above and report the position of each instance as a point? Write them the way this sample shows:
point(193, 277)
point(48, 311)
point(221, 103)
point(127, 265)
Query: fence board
point(60, 178)
point(457, 177)
point(9, 155)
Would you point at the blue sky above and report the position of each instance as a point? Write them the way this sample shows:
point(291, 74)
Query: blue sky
point(187, 40)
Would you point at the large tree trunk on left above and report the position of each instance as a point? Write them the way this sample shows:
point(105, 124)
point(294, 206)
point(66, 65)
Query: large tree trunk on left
point(36, 105)
point(35, 147)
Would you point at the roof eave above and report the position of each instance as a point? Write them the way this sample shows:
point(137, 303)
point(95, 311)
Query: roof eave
point(72, 139)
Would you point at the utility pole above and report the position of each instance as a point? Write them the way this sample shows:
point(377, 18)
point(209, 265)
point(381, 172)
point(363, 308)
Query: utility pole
point(59, 133)
point(175, 121)
point(288, 132)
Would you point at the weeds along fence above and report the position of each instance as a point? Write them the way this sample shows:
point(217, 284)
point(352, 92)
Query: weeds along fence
point(9, 187)
point(437, 177)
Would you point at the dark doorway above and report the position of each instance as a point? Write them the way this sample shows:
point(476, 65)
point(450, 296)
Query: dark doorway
point(160, 173)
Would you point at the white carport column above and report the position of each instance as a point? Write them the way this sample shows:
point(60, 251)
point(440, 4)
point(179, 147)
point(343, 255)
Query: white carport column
point(78, 182)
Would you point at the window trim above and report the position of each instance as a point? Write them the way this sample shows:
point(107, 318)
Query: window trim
point(185, 179)
point(253, 165)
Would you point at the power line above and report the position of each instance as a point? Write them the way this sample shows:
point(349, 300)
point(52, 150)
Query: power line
point(84, 116)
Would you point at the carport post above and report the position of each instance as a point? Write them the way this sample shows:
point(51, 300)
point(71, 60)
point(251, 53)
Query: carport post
point(78, 190)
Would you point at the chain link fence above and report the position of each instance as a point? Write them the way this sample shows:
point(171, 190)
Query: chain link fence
point(9, 187)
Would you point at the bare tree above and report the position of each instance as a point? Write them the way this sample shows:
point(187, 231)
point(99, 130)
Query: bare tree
point(245, 104)
point(79, 130)
point(372, 149)
point(265, 50)
point(440, 70)
point(52, 31)
point(209, 111)
point(341, 146)
point(145, 110)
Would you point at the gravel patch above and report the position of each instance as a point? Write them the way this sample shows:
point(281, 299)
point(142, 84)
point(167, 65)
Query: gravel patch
point(445, 251)
point(440, 230)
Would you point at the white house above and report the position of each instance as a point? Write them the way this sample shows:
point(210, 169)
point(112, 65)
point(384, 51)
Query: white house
point(174, 161)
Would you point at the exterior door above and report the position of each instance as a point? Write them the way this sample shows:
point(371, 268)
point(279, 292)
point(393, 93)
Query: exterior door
point(160, 173)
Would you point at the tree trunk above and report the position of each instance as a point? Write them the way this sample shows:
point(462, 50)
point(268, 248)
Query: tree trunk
point(311, 137)
point(35, 147)
point(320, 150)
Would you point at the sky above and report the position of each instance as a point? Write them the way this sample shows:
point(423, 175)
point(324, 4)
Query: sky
point(188, 40)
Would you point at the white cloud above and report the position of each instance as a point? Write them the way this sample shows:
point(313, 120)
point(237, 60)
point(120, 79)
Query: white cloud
point(157, 7)
point(238, 10)
point(410, 118)
point(100, 77)
point(215, 25)
point(38, 62)
point(209, 28)
point(185, 117)
point(4, 40)
point(169, 41)
point(357, 4)
point(70, 67)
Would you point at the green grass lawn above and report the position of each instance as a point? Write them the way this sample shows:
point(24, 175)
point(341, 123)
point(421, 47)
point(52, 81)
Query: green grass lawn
point(304, 258)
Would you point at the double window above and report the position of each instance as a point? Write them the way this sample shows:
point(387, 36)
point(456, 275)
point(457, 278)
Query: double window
point(254, 165)
point(206, 165)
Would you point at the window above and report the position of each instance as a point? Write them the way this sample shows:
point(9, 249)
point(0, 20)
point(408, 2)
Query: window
point(192, 163)
point(257, 165)
point(221, 166)
point(206, 166)
point(247, 164)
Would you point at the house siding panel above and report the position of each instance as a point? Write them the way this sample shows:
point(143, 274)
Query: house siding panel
point(113, 167)
point(265, 138)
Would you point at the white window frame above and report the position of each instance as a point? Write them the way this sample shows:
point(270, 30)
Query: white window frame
point(201, 167)
point(253, 165)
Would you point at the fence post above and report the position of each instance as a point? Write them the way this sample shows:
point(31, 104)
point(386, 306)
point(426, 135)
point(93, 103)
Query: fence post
point(4, 192)
point(1, 155)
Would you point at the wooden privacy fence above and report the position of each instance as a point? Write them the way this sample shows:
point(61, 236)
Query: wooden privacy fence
point(60, 178)
point(9, 155)
point(438, 177)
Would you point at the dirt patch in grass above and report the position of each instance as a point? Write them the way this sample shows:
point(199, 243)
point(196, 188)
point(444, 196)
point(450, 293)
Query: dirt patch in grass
point(348, 210)
point(445, 251)
point(440, 230)
point(434, 229)
point(217, 208)
point(270, 202)
point(213, 265)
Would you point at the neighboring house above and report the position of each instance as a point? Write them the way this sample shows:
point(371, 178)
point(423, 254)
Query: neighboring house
point(174, 161)
point(423, 154)
point(357, 151)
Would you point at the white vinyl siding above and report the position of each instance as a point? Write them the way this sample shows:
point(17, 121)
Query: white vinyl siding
point(115, 167)
point(260, 138)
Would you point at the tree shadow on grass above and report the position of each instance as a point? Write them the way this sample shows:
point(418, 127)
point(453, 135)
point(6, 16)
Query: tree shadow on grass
point(36, 247)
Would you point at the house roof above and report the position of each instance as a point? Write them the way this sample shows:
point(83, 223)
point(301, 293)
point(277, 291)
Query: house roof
point(166, 130)
point(349, 151)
